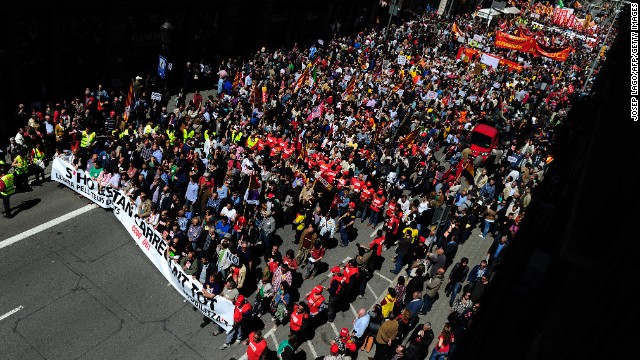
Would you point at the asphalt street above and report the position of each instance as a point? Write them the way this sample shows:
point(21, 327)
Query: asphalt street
point(74, 285)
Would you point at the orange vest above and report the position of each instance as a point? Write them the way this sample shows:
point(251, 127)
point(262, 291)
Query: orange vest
point(297, 319)
point(314, 304)
point(349, 273)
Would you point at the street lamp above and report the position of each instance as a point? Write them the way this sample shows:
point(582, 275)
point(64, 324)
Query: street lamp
point(393, 10)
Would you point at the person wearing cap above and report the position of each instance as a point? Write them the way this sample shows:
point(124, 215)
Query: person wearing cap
point(7, 188)
point(241, 314)
point(335, 292)
point(344, 342)
point(315, 302)
point(335, 354)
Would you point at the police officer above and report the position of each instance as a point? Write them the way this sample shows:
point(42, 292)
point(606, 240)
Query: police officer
point(7, 188)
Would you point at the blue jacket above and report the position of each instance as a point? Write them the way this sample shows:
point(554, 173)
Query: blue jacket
point(414, 306)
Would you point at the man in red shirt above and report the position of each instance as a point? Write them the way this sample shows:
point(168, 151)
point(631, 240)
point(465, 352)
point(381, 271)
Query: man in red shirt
point(391, 226)
point(377, 204)
point(357, 183)
point(256, 345)
point(365, 200)
point(240, 315)
point(351, 273)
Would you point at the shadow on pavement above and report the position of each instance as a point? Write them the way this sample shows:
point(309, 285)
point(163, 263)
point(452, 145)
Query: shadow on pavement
point(25, 205)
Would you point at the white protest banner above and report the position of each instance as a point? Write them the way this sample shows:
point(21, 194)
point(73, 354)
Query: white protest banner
point(478, 38)
point(148, 239)
point(432, 95)
point(402, 60)
point(490, 60)
point(156, 96)
point(80, 182)
point(232, 258)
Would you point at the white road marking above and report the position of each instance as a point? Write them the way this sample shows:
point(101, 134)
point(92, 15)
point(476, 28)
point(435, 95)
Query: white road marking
point(374, 233)
point(353, 310)
point(384, 277)
point(47, 225)
point(264, 336)
point(11, 312)
point(346, 259)
point(335, 330)
point(313, 350)
point(275, 341)
point(373, 292)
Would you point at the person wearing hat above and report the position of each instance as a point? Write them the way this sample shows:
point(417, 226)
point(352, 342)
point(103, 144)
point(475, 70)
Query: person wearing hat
point(241, 314)
point(315, 302)
point(344, 341)
point(335, 292)
point(335, 354)
point(7, 188)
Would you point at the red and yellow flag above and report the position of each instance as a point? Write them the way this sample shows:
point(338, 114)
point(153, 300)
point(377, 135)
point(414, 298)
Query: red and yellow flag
point(236, 80)
point(127, 102)
point(456, 30)
point(302, 79)
point(350, 87)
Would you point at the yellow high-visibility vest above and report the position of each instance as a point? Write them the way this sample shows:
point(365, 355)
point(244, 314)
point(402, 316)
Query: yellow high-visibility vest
point(186, 135)
point(37, 154)
point(9, 187)
point(23, 166)
point(87, 139)
point(236, 136)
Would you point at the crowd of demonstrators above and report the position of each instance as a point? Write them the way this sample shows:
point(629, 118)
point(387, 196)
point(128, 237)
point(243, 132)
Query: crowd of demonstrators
point(318, 139)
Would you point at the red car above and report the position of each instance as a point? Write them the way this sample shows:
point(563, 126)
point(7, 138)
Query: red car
point(484, 138)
